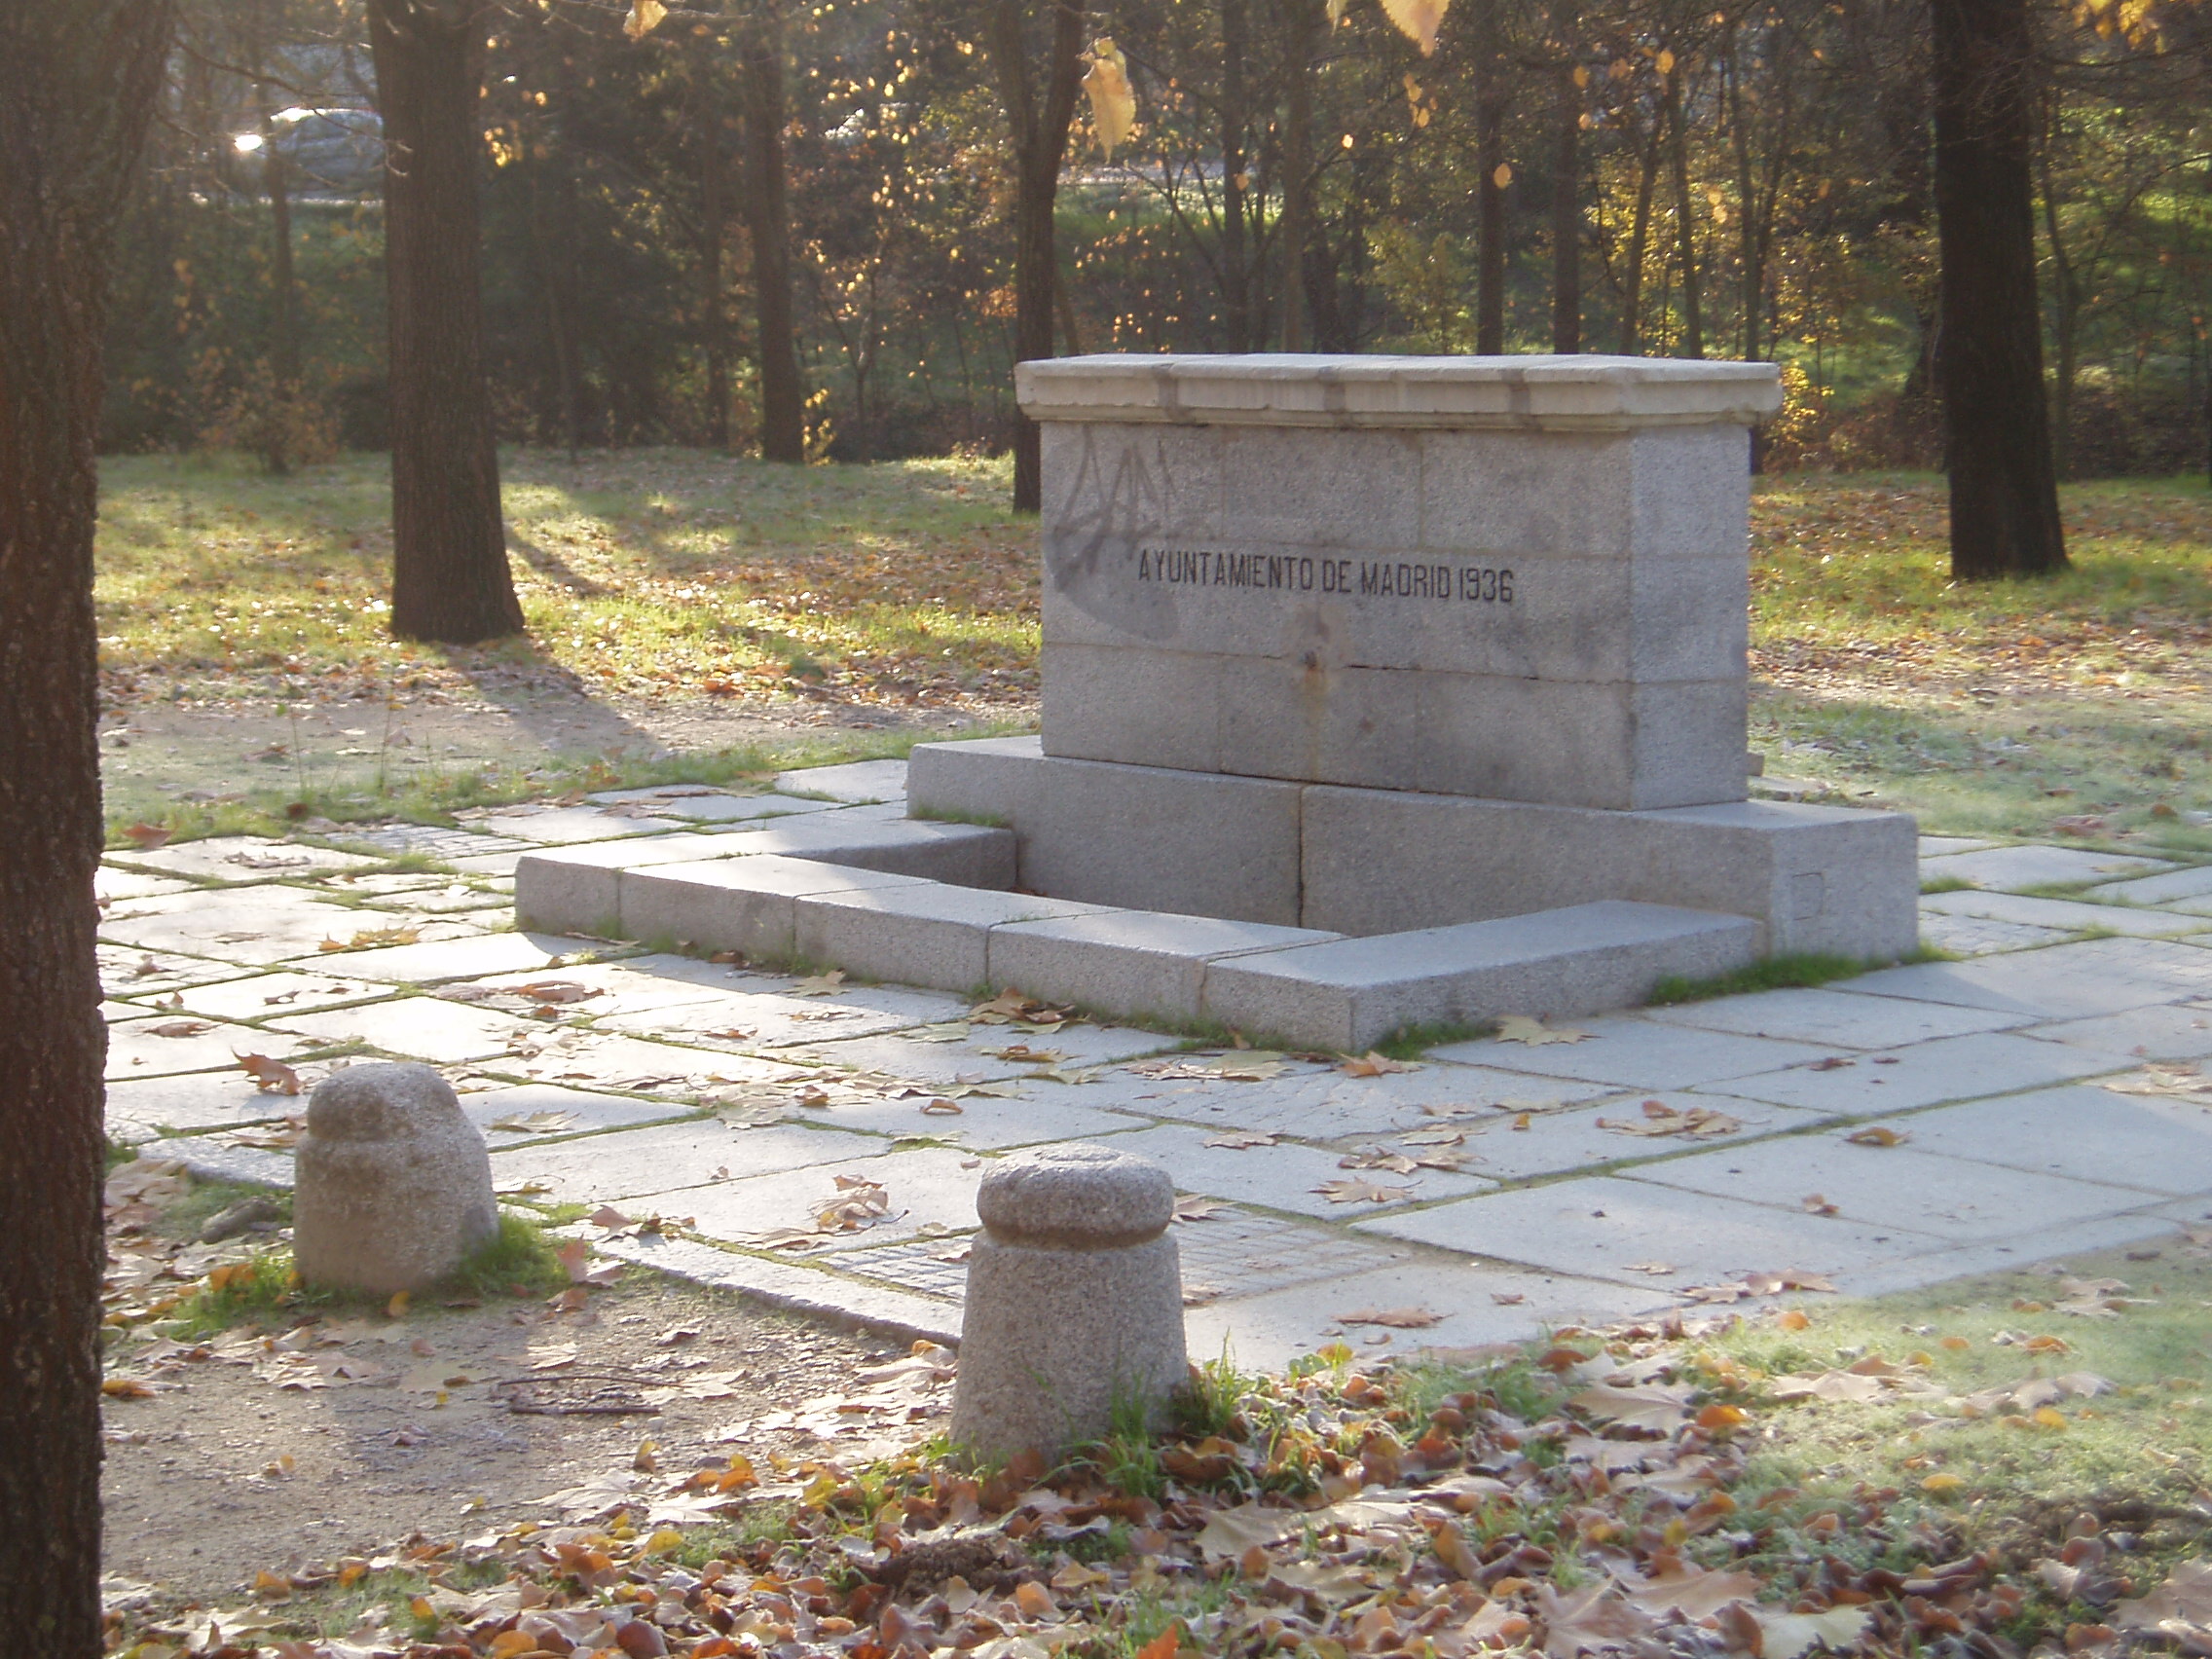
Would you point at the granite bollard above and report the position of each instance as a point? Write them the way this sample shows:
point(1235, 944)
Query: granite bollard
point(1075, 1302)
point(392, 1184)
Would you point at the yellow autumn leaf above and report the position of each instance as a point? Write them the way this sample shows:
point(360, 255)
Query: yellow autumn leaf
point(1113, 103)
point(1503, 177)
point(1417, 21)
point(1664, 61)
point(1936, 1485)
point(645, 16)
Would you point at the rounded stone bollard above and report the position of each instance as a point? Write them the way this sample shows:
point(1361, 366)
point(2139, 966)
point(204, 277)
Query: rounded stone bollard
point(1075, 1302)
point(392, 1186)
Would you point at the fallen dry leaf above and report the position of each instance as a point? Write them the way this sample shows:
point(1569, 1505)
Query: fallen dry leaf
point(1876, 1136)
point(1520, 1028)
point(272, 1076)
point(1660, 1118)
point(181, 1027)
point(1373, 1064)
point(1362, 1193)
point(1241, 1140)
point(1396, 1319)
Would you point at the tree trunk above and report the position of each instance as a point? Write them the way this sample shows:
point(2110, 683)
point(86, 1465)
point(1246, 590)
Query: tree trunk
point(1490, 185)
point(1638, 239)
point(713, 215)
point(1989, 359)
point(1747, 250)
point(1235, 278)
point(77, 84)
point(1302, 38)
point(283, 299)
point(1685, 234)
point(1039, 128)
point(768, 220)
point(2066, 329)
point(552, 229)
point(450, 581)
point(1567, 203)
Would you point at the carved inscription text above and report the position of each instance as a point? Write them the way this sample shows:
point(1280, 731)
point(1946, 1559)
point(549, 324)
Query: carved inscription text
point(1368, 578)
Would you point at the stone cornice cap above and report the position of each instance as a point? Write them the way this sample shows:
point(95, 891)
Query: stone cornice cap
point(1284, 389)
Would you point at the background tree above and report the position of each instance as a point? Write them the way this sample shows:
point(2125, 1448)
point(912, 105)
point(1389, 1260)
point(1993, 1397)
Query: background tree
point(1037, 63)
point(2004, 489)
point(450, 579)
point(77, 84)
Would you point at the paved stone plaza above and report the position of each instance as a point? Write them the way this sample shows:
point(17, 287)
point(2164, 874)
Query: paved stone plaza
point(821, 1142)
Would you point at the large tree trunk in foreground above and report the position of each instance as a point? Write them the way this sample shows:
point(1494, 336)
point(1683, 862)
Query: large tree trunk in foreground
point(1038, 119)
point(1989, 361)
point(769, 222)
point(450, 579)
point(77, 83)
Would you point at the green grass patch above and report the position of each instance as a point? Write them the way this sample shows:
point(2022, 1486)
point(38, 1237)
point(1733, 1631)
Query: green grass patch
point(1946, 884)
point(1771, 974)
point(2137, 1456)
point(518, 1260)
point(265, 1288)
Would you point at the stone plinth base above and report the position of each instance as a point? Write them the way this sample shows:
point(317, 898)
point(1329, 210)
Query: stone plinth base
point(1367, 861)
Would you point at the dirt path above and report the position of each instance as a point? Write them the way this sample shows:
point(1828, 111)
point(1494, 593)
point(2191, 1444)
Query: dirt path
point(231, 1470)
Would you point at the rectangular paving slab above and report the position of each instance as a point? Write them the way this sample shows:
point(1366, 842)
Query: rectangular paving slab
point(597, 1059)
point(1324, 1104)
point(655, 1162)
point(1476, 1304)
point(1828, 1018)
point(2147, 1142)
point(127, 970)
point(746, 1020)
point(141, 1048)
point(1893, 1187)
point(242, 859)
point(1979, 936)
point(861, 781)
point(2163, 1031)
point(268, 996)
point(1950, 1068)
point(2067, 981)
point(464, 958)
point(925, 1187)
point(982, 1055)
point(203, 1100)
point(1285, 1176)
point(2191, 881)
point(1630, 1052)
point(1043, 1112)
point(245, 925)
point(1602, 1227)
point(416, 1028)
point(2013, 869)
point(546, 1109)
point(2067, 913)
point(1524, 1145)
